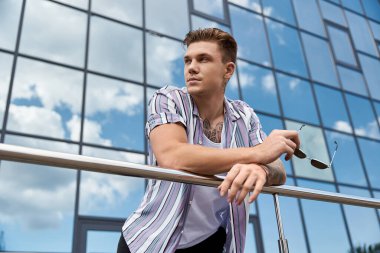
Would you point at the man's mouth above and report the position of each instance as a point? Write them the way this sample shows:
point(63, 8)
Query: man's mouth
point(192, 79)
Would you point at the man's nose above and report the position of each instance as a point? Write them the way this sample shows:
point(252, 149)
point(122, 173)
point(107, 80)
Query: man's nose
point(193, 67)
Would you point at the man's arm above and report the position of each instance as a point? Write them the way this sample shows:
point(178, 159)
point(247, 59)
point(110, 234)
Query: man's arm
point(169, 144)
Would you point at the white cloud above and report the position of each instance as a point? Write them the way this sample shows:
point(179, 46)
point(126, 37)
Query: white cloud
point(370, 130)
point(294, 83)
point(343, 126)
point(249, 4)
point(245, 78)
point(268, 84)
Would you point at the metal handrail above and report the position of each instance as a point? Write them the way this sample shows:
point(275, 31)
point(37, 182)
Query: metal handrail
point(80, 162)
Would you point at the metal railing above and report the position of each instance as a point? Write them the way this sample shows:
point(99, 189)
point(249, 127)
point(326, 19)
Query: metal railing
point(80, 162)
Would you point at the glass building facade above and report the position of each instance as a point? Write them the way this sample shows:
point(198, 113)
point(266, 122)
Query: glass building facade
point(76, 77)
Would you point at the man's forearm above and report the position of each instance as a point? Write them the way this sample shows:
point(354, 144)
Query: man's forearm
point(276, 174)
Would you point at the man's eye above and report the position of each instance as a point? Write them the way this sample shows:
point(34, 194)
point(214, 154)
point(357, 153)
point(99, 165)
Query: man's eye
point(204, 59)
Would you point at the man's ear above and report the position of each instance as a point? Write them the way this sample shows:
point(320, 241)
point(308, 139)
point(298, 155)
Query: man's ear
point(230, 69)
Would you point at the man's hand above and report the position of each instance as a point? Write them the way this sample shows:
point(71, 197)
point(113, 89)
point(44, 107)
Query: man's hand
point(243, 178)
point(277, 143)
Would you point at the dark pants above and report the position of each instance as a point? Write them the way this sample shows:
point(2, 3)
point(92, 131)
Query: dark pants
point(213, 244)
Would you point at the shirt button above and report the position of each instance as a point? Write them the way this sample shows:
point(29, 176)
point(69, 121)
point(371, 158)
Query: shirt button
point(200, 142)
point(190, 202)
point(182, 232)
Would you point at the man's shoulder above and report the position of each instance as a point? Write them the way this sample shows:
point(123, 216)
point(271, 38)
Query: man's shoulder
point(239, 106)
point(170, 90)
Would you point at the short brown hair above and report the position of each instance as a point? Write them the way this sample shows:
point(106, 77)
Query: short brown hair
point(226, 42)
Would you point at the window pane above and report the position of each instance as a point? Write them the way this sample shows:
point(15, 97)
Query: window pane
point(168, 54)
point(167, 16)
point(46, 100)
point(286, 48)
point(332, 108)
point(291, 218)
point(210, 7)
point(44, 201)
point(198, 22)
point(313, 144)
point(115, 49)
point(372, 9)
point(250, 243)
point(280, 10)
point(377, 108)
point(353, 5)
point(320, 60)
point(129, 11)
point(360, 34)
point(102, 241)
point(114, 113)
point(77, 3)
point(352, 80)
point(375, 29)
point(61, 32)
point(332, 12)
point(346, 164)
point(368, 220)
point(258, 87)
point(251, 39)
point(232, 89)
point(250, 4)
point(363, 117)
point(371, 70)
point(370, 152)
point(110, 195)
point(6, 61)
point(9, 19)
point(341, 45)
point(297, 99)
point(308, 16)
point(319, 217)
point(269, 124)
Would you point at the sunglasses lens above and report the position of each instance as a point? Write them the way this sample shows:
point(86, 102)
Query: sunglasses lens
point(299, 153)
point(319, 164)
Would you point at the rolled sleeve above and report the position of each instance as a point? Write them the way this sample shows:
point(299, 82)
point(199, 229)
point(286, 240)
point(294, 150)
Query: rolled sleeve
point(162, 110)
point(256, 133)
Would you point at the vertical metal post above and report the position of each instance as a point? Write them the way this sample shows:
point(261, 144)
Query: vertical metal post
point(282, 242)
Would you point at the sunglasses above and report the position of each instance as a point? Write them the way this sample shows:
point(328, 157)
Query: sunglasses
point(314, 162)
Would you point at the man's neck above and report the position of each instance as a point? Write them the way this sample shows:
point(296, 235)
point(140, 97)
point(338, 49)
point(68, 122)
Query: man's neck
point(211, 108)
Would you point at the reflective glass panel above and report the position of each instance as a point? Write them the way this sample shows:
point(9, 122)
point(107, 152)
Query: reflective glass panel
point(297, 99)
point(280, 10)
point(115, 49)
point(377, 108)
point(313, 144)
point(250, 4)
point(370, 153)
point(320, 60)
point(286, 48)
point(352, 80)
point(46, 100)
point(77, 3)
point(164, 61)
point(333, 111)
point(167, 16)
point(210, 7)
point(324, 222)
point(269, 124)
point(347, 166)
point(54, 32)
point(9, 20)
point(102, 241)
point(250, 243)
point(114, 113)
point(375, 29)
point(363, 117)
point(232, 89)
point(291, 218)
point(251, 39)
point(360, 33)
point(377, 195)
point(110, 195)
point(353, 5)
point(198, 22)
point(308, 16)
point(372, 9)
point(371, 70)
point(258, 87)
point(6, 61)
point(368, 220)
point(42, 197)
point(129, 11)
point(341, 45)
point(332, 12)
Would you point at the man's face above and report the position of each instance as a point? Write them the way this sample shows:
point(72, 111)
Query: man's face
point(204, 69)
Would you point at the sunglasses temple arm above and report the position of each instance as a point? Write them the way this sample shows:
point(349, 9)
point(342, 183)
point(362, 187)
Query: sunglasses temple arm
point(332, 159)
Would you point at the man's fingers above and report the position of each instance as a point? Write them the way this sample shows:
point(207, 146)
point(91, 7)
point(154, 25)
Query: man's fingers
point(226, 184)
point(247, 187)
point(237, 184)
point(258, 188)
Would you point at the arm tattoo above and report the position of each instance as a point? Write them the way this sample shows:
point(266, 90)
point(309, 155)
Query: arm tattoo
point(213, 134)
point(276, 173)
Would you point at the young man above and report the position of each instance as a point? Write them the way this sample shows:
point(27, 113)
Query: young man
point(197, 129)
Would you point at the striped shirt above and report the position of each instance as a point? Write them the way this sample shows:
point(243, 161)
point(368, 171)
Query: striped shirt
point(156, 226)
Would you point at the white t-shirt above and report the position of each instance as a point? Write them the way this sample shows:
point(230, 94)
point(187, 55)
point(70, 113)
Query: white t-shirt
point(207, 212)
